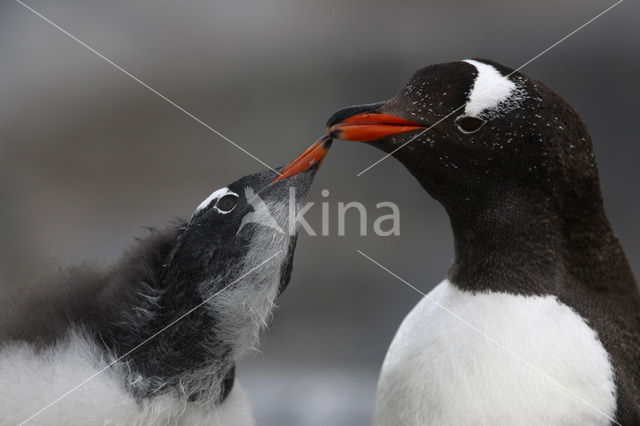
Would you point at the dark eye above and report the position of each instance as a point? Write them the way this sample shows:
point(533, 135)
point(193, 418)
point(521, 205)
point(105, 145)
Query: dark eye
point(469, 124)
point(227, 203)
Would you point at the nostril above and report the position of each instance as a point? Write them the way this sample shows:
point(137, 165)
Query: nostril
point(334, 134)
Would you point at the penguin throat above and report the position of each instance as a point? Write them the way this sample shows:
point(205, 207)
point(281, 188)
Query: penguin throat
point(518, 242)
point(509, 244)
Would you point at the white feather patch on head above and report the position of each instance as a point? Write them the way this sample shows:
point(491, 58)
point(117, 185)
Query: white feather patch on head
point(490, 89)
point(215, 195)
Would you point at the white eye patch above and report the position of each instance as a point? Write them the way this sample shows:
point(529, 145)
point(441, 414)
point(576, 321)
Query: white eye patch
point(215, 196)
point(490, 89)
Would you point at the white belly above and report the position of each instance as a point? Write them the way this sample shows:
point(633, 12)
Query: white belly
point(29, 381)
point(440, 371)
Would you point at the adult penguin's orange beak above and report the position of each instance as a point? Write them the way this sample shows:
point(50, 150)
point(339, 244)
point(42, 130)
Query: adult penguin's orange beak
point(365, 123)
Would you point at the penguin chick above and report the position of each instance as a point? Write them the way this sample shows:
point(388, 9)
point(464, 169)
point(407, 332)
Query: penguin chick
point(155, 338)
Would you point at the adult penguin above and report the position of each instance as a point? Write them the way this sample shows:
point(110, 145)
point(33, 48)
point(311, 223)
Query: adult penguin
point(538, 321)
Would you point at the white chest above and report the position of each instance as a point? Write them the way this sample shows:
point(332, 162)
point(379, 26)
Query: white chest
point(440, 371)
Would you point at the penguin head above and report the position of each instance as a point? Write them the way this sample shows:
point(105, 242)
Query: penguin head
point(468, 128)
point(236, 250)
point(240, 226)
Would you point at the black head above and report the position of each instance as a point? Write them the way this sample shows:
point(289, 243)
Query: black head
point(241, 239)
point(470, 128)
point(235, 229)
point(241, 225)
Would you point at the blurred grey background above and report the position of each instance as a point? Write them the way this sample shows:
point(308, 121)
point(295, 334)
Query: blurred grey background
point(88, 156)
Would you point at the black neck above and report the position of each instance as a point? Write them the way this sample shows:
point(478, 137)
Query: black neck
point(524, 242)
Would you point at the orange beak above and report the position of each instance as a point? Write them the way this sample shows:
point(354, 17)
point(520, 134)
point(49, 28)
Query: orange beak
point(313, 155)
point(370, 126)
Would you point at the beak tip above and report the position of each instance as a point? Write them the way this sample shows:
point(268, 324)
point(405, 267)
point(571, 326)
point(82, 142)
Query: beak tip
point(315, 154)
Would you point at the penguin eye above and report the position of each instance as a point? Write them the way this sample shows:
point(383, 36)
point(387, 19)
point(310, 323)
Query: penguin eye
point(227, 203)
point(469, 124)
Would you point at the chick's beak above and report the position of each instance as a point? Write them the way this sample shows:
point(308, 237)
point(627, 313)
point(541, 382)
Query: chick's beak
point(313, 155)
point(365, 123)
